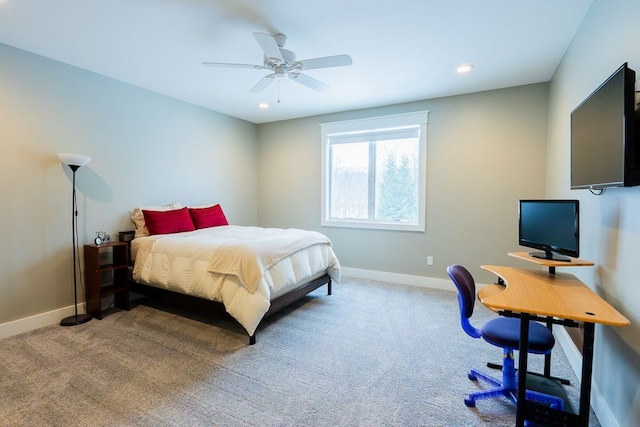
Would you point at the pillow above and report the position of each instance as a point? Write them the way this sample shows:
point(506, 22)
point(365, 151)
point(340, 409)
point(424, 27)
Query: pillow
point(212, 216)
point(138, 218)
point(166, 222)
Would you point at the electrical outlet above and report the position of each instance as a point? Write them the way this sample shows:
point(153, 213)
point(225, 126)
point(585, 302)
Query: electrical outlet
point(429, 260)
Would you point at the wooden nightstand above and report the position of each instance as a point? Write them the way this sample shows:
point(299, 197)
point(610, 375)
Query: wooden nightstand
point(104, 279)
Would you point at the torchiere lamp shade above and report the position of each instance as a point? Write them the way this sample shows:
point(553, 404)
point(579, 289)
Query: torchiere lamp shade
point(74, 159)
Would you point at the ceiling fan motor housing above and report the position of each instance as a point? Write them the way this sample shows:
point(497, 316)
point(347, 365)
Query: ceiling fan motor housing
point(288, 59)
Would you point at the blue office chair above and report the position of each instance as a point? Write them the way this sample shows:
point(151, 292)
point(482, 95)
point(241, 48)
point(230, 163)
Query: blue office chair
point(502, 332)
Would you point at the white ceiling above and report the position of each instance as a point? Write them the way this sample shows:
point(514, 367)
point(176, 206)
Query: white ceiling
point(402, 50)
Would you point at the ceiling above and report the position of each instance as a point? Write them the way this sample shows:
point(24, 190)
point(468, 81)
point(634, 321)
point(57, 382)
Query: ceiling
point(402, 50)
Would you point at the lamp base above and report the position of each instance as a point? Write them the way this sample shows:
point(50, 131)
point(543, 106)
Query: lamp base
point(75, 320)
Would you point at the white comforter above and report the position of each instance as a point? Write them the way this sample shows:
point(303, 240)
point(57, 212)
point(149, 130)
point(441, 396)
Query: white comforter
point(242, 267)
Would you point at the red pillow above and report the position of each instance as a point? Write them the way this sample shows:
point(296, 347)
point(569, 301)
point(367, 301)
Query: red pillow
point(208, 217)
point(165, 222)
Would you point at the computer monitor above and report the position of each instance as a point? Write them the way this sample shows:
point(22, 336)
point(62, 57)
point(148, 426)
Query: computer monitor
point(553, 226)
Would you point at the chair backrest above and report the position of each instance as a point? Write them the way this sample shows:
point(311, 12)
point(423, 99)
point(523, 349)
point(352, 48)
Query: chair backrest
point(466, 288)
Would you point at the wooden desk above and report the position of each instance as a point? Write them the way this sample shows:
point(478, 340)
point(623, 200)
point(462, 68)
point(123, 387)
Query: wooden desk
point(528, 294)
point(551, 265)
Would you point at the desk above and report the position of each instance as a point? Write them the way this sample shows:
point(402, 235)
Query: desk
point(551, 264)
point(528, 294)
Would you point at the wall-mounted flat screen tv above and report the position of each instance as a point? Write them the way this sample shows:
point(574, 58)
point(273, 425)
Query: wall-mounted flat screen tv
point(605, 137)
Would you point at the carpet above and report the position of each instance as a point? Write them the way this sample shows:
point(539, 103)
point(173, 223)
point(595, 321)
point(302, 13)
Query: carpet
point(372, 354)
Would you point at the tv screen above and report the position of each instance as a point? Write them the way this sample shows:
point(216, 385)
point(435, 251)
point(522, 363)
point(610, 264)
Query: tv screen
point(604, 144)
point(553, 226)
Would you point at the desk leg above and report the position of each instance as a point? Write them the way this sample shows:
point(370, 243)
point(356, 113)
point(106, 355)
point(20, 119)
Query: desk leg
point(522, 369)
point(547, 360)
point(587, 366)
point(547, 357)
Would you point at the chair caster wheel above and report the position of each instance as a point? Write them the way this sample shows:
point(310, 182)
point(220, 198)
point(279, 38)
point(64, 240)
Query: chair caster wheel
point(472, 376)
point(471, 403)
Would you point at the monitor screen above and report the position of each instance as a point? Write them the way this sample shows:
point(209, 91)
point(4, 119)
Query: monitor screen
point(553, 226)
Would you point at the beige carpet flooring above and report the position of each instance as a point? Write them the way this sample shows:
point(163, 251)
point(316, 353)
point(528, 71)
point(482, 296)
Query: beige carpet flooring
point(372, 354)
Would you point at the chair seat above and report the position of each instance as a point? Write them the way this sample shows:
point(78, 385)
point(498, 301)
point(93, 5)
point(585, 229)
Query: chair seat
point(505, 332)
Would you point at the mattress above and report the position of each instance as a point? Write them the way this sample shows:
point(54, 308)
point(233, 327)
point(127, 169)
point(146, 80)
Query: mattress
point(194, 263)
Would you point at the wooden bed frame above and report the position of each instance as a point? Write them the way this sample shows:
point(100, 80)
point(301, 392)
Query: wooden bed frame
point(276, 305)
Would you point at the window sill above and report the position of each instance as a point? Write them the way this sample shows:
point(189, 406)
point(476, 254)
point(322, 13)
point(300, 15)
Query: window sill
point(395, 226)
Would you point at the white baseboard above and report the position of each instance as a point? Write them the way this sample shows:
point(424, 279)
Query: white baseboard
point(55, 316)
point(599, 405)
point(400, 279)
point(37, 321)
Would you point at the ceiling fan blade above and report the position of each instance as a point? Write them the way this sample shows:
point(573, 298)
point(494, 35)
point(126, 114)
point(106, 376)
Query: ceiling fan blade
point(229, 65)
point(263, 83)
point(308, 81)
point(324, 62)
point(269, 46)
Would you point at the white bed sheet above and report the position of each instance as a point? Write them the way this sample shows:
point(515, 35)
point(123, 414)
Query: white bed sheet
point(187, 271)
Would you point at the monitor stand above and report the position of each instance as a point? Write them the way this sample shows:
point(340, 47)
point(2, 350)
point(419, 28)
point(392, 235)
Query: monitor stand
point(550, 255)
point(552, 264)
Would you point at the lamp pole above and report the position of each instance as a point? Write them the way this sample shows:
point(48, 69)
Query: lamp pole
point(76, 319)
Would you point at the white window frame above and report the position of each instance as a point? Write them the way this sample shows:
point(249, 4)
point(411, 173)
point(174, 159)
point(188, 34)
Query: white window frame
point(381, 124)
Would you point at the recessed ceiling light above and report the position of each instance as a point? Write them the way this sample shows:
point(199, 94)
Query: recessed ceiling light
point(465, 68)
point(263, 105)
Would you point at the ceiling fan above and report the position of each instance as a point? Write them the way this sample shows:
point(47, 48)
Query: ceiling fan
point(282, 62)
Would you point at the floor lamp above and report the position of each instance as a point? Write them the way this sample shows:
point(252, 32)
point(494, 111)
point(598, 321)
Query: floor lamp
point(74, 161)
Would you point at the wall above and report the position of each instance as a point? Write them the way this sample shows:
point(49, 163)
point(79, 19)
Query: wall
point(610, 223)
point(484, 152)
point(146, 149)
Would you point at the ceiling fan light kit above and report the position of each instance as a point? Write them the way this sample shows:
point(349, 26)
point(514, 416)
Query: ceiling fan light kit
point(282, 62)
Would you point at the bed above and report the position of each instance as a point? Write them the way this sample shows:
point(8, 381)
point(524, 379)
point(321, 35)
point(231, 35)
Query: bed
point(252, 271)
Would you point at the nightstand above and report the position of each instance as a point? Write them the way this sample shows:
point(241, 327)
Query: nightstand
point(106, 278)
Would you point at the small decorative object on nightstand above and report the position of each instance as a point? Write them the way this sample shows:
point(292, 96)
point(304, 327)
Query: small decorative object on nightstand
point(117, 272)
point(101, 237)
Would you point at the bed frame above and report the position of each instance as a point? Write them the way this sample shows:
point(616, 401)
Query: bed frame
point(276, 305)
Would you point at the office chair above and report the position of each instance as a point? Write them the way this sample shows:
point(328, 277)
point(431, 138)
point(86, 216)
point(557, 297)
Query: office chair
point(502, 332)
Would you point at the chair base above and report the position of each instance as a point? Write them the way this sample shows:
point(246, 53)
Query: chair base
point(511, 393)
point(537, 374)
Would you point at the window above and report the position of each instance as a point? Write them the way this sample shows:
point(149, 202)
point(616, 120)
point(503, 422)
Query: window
point(374, 172)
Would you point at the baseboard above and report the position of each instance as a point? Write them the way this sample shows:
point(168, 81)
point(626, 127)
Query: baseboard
point(598, 403)
point(41, 320)
point(53, 317)
point(400, 279)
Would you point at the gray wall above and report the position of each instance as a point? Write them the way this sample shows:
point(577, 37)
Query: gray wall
point(146, 149)
point(610, 224)
point(484, 152)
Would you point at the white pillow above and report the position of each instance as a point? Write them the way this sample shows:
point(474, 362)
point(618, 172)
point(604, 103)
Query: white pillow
point(202, 206)
point(138, 217)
